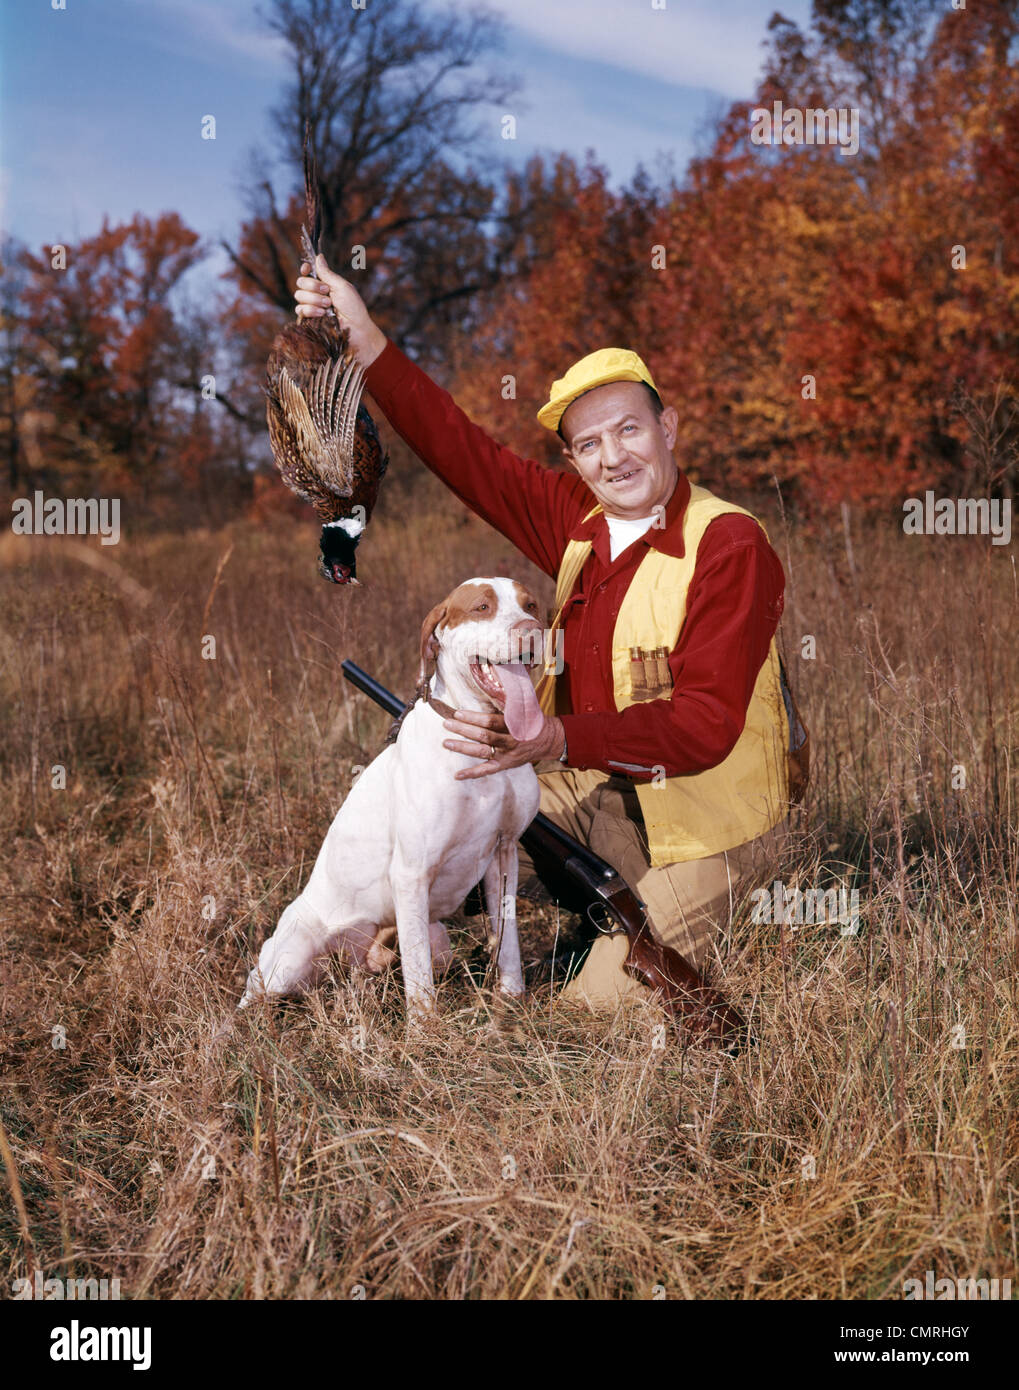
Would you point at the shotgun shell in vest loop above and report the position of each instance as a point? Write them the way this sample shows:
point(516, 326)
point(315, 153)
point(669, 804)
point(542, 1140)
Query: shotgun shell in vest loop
point(650, 672)
point(638, 680)
point(664, 674)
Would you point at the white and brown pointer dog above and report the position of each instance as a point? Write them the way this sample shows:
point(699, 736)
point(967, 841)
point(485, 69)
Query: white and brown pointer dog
point(410, 841)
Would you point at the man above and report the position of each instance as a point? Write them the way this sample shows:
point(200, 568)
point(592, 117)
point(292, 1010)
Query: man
point(664, 741)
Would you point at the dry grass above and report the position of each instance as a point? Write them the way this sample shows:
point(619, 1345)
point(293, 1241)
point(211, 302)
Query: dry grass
point(512, 1151)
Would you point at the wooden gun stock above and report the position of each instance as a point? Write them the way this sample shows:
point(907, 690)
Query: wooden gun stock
point(583, 882)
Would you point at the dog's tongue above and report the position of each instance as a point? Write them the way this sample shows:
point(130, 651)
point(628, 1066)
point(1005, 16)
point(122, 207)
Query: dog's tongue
point(521, 711)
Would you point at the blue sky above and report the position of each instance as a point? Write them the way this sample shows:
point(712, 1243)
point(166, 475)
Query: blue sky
point(101, 103)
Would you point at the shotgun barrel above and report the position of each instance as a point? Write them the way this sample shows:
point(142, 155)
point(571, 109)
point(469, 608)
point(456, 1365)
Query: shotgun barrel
point(583, 882)
point(369, 686)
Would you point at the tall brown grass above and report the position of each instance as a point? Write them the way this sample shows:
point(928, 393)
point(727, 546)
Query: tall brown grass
point(511, 1151)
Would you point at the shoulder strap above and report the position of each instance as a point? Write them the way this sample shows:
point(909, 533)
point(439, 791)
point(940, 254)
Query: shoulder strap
point(573, 561)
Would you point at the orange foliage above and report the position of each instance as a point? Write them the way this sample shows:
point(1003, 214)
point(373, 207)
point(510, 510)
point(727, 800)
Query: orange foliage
point(102, 347)
point(889, 278)
point(786, 263)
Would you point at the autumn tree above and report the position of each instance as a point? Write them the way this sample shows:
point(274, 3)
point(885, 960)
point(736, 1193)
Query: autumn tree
point(395, 96)
point(586, 253)
point(832, 317)
point(101, 345)
point(919, 282)
point(15, 387)
point(815, 316)
point(109, 374)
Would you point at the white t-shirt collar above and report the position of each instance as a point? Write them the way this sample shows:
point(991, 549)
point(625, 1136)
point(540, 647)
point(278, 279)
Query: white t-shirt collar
point(623, 531)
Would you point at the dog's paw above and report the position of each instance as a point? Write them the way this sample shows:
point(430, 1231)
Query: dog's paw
point(254, 990)
point(379, 957)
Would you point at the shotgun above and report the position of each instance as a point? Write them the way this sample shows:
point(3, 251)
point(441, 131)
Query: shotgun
point(582, 882)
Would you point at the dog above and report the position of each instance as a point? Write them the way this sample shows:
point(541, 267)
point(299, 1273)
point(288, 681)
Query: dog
point(410, 842)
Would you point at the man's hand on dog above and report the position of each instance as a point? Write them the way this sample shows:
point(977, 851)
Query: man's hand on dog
point(481, 735)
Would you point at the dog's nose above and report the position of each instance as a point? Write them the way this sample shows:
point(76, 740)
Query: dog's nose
point(525, 632)
point(526, 638)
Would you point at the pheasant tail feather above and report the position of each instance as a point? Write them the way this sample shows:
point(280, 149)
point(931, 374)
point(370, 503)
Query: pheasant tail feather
point(311, 232)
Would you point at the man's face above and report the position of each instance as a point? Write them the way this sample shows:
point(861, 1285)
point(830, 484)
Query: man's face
point(621, 449)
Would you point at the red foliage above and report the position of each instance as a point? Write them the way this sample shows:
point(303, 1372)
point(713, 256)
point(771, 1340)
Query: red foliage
point(790, 263)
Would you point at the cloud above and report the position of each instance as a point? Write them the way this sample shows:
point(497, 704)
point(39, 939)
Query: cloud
point(718, 46)
point(634, 120)
point(232, 25)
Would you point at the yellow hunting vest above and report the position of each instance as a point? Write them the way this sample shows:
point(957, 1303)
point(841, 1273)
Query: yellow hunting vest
point(703, 813)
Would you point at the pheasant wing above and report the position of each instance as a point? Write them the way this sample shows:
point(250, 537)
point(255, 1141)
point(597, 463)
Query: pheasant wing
point(312, 451)
point(290, 456)
point(334, 394)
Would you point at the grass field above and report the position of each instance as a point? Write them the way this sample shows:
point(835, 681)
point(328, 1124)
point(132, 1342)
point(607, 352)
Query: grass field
point(512, 1151)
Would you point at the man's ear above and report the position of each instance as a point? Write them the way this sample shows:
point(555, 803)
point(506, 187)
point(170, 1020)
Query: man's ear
point(429, 641)
point(669, 421)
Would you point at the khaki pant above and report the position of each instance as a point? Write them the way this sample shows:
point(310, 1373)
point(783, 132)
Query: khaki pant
point(689, 904)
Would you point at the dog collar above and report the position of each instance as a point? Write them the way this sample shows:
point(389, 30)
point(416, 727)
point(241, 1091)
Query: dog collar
point(440, 707)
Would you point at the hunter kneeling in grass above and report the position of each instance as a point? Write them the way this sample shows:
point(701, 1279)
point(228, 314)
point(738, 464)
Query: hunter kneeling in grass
point(664, 746)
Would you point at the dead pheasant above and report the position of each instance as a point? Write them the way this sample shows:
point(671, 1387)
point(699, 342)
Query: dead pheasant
point(324, 442)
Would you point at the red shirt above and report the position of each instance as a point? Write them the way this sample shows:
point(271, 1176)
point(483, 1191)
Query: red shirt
point(733, 604)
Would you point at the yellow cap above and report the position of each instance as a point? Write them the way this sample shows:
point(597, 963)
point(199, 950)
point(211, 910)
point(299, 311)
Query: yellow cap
point(596, 369)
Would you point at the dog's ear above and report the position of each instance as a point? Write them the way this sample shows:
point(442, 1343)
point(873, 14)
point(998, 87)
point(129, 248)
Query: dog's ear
point(429, 642)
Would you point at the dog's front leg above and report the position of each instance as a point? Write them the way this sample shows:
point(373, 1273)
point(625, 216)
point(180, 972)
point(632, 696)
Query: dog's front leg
point(501, 900)
point(410, 900)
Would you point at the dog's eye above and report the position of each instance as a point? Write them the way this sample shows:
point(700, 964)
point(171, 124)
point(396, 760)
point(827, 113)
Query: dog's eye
point(481, 608)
